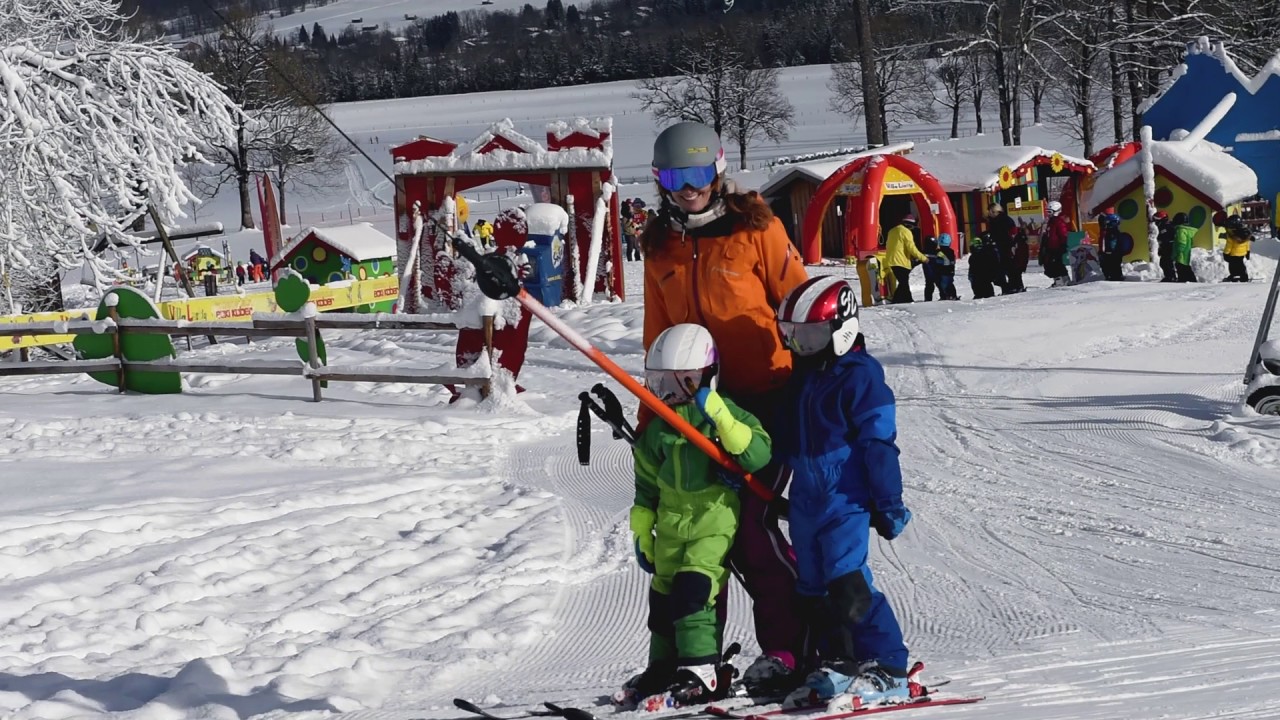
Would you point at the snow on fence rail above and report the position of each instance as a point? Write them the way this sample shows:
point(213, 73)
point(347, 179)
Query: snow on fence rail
point(262, 325)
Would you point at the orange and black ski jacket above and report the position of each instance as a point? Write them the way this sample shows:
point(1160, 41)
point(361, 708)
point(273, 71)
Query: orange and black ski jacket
point(729, 279)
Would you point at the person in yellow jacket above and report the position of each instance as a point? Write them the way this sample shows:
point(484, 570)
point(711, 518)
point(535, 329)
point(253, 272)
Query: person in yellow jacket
point(485, 232)
point(1238, 240)
point(900, 251)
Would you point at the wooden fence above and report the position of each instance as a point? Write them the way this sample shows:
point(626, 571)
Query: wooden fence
point(262, 325)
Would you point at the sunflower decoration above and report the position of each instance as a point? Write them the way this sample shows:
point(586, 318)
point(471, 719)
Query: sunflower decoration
point(1057, 163)
point(1006, 178)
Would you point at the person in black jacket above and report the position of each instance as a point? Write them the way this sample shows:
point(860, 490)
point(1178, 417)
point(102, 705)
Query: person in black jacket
point(1164, 243)
point(984, 266)
point(1002, 230)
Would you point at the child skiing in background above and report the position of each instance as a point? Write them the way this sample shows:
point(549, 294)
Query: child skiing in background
point(944, 264)
point(1184, 237)
point(846, 481)
point(684, 518)
point(984, 267)
point(1237, 249)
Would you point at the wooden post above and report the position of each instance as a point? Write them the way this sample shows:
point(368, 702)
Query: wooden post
point(24, 354)
point(173, 255)
point(116, 341)
point(313, 357)
point(487, 388)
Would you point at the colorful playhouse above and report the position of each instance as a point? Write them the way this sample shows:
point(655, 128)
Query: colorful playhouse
point(336, 254)
point(1249, 130)
point(1188, 175)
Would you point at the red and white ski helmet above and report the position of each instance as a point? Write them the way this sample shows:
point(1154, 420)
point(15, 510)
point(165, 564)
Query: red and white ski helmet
point(818, 313)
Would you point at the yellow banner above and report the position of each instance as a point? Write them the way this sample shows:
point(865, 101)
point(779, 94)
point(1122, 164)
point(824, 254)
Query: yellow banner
point(326, 297)
point(25, 341)
point(221, 308)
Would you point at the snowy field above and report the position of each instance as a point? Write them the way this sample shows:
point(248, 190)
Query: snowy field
point(1094, 534)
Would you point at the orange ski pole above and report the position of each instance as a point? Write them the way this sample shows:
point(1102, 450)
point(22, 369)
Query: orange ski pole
point(496, 276)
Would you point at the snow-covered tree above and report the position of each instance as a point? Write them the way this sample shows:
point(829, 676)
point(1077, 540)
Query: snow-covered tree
point(94, 128)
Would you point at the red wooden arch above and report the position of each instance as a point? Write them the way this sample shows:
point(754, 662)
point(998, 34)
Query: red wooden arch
point(862, 240)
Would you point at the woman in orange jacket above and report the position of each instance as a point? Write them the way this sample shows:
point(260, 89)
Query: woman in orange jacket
point(720, 258)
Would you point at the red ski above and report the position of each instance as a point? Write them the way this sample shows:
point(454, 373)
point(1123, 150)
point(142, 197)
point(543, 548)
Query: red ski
point(818, 713)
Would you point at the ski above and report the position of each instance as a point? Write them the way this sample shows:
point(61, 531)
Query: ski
point(820, 713)
point(468, 706)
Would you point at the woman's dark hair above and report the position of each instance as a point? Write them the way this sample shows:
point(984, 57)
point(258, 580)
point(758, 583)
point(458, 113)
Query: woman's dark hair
point(747, 209)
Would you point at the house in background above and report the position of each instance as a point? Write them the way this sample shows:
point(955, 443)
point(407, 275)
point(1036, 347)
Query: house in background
point(338, 254)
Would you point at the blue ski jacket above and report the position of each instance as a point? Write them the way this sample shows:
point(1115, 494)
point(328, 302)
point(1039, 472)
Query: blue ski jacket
point(844, 458)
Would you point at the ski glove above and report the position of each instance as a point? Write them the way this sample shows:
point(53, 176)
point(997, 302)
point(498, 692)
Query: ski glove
point(890, 523)
point(735, 436)
point(642, 522)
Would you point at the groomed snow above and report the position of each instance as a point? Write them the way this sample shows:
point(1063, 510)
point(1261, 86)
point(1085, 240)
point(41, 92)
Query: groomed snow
point(1094, 533)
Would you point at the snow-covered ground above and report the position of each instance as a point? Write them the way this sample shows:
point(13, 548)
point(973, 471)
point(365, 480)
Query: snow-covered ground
point(1094, 532)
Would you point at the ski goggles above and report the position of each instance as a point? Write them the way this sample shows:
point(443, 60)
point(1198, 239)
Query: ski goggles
point(805, 338)
point(673, 387)
point(675, 179)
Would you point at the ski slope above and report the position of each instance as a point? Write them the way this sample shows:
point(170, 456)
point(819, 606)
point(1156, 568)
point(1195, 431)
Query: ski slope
point(1094, 530)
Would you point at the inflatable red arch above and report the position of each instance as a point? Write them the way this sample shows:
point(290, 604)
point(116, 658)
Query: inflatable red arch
point(862, 240)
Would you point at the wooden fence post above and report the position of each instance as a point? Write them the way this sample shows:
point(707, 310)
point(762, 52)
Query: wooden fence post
point(487, 388)
point(116, 340)
point(313, 356)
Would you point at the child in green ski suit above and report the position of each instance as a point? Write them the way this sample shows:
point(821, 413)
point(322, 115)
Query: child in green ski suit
point(1184, 237)
point(685, 516)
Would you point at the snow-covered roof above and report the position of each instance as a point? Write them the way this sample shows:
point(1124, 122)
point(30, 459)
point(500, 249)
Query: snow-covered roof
point(359, 242)
point(1202, 165)
point(203, 250)
point(820, 170)
point(969, 169)
point(562, 129)
point(1202, 46)
point(501, 147)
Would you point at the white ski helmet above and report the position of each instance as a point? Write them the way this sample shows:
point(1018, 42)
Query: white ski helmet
point(681, 359)
point(1055, 207)
point(819, 313)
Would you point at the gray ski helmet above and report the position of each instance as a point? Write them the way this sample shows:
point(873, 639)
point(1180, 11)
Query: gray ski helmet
point(688, 144)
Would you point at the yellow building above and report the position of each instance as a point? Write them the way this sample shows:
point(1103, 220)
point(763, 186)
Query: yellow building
point(1193, 177)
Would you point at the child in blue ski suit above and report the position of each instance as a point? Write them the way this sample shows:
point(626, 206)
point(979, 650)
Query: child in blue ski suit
point(846, 482)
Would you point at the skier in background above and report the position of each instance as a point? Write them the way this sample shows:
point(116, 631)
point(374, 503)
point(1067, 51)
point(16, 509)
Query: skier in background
point(944, 263)
point(1184, 238)
point(1001, 230)
point(685, 517)
point(984, 267)
point(901, 254)
point(1109, 245)
point(841, 442)
point(1053, 245)
point(719, 257)
point(1238, 240)
point(1164, 243)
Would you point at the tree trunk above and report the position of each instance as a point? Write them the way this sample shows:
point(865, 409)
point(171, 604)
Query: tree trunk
point(1002, 96)
point(975, 74)
point(1131, 72)
point(1117, 101)
point(242, 180)
point(955, 120)
point(280, 197)
point(877, 133)
point(742, 143)
point(1037, 99)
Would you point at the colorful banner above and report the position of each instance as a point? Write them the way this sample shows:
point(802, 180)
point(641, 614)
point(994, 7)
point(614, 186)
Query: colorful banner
point(25, 341)
point(224, 308)
point(1029, 216)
